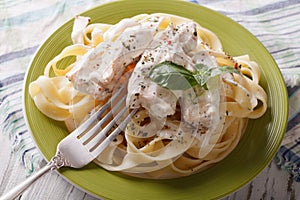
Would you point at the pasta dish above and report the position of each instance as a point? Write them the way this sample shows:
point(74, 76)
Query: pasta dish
point(193, 99)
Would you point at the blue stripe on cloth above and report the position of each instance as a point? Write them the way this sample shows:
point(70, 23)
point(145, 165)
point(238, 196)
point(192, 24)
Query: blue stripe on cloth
point(289, 162)
point(293, 122)
point(293, 67)
point(13, 123)
point(285, 152)
point(292, 90)
point(14, 126)
point(17, 54)
point(277, 34)
point(294, 115)
point(12, 114)
point(266, 8)
point(25, 152)
point(11, 80)
point(57, 9)
point(10, 3)
point(271, 19)
point(9, 94)
point(288, 150)
point(23, 132)
point(31, 16)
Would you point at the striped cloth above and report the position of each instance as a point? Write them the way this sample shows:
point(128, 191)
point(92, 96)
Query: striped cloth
point(24, 24)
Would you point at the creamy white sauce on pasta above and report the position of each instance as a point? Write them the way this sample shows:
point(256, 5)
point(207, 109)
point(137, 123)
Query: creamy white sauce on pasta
point(175, 132)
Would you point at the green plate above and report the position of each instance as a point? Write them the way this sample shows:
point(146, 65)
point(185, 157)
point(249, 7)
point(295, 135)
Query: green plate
point(250, 157)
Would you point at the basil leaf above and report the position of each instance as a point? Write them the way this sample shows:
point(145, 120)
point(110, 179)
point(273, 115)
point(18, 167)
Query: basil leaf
point(203, 73)
point(201, 67)
point(172, 76)
point(176, 77)
point(223, 70)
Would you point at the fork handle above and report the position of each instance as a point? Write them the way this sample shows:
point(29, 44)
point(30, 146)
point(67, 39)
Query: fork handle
point(16, 191)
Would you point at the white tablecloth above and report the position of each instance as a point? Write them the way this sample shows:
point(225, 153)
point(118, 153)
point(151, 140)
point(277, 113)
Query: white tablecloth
point(25, 24)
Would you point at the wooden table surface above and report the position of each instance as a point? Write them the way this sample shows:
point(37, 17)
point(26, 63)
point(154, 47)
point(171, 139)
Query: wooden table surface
point(271, 184)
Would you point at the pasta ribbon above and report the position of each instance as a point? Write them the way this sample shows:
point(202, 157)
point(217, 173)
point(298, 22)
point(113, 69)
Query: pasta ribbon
point(56, 98)
point(201, 127)
point(73, 50)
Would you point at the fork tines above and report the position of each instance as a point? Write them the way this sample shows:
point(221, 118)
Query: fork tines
point(95, 134)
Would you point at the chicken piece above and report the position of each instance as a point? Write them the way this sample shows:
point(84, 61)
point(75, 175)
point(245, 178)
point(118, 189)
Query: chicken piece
point(172, 44)
point(98, 70)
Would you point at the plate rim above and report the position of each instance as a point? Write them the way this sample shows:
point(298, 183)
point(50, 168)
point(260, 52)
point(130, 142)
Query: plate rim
point(43, 43)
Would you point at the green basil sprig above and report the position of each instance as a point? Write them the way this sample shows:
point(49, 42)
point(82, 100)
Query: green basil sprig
point(175, 77)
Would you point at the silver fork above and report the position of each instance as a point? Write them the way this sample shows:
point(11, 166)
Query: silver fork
point(85, 143)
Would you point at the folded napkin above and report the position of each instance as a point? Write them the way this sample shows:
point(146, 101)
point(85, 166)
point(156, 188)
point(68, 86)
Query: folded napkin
point(275, 23)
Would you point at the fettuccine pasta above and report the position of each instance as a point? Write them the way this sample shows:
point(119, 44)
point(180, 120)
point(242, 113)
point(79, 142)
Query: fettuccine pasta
point(181, 128)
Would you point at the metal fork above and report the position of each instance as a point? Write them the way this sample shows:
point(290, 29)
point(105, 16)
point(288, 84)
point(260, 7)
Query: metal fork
point(85, 143)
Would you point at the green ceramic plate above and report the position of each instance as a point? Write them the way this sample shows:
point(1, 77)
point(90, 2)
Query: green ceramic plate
point(254, 152)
